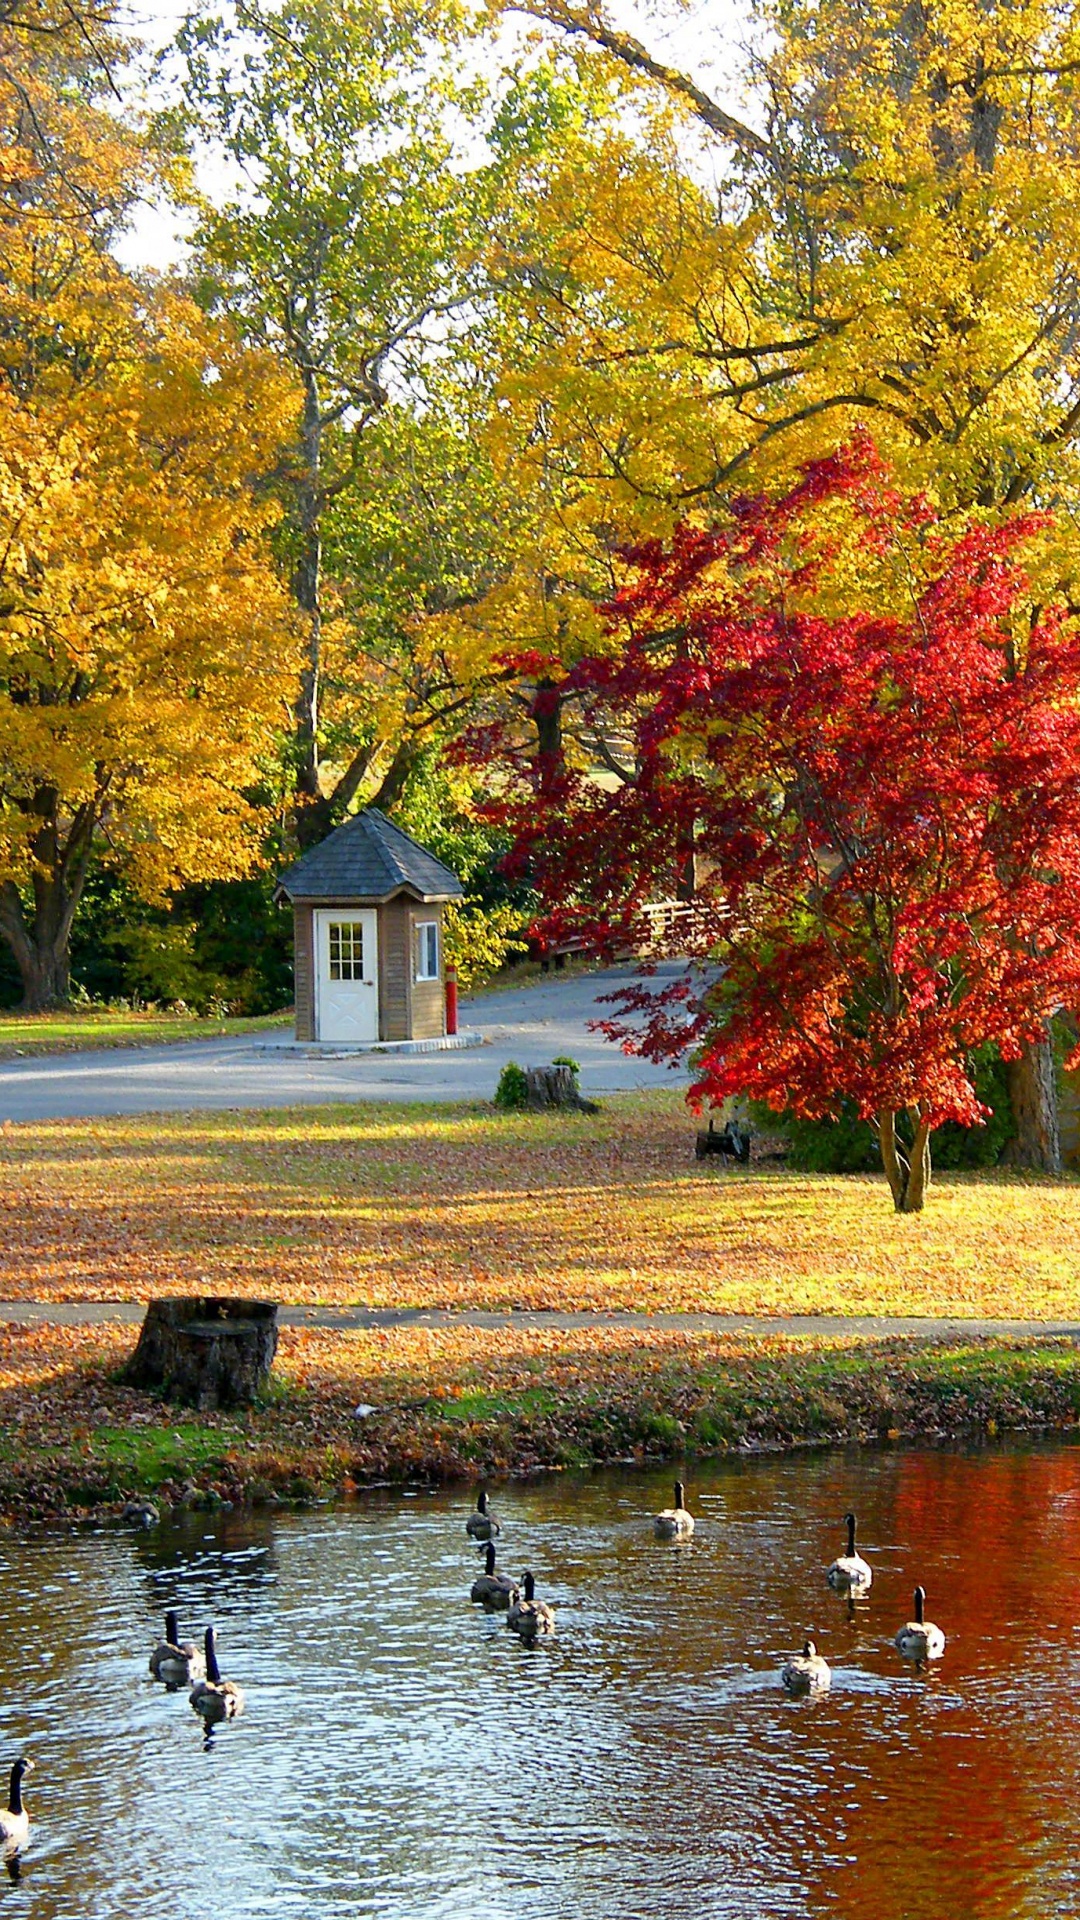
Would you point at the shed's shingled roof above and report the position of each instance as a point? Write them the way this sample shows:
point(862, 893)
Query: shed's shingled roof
point(369, 859)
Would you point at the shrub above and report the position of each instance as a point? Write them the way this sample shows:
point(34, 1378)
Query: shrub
point(512, 1090)
point(847, 1144)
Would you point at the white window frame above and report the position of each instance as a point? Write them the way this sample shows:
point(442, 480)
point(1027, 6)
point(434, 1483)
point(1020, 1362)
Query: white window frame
point(345, 950)
point(426, 950)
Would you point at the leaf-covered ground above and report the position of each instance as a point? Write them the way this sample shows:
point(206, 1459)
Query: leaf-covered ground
point(399, 1206)
point(451, 1402)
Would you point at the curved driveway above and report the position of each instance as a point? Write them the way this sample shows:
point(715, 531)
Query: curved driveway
point(527, 1024)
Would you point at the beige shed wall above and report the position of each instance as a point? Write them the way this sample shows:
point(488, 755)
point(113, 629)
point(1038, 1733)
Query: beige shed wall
point(428, 996)
point(395, 972)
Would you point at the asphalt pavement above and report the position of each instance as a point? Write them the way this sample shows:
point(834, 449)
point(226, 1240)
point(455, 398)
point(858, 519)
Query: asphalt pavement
point(528, 1024)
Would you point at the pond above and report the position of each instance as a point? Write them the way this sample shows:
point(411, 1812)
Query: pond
point(404, 1756)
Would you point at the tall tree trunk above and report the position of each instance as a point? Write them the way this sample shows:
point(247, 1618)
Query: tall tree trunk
point(307, 588)
point(40, 937)
point(395, 779)
point(547, 719)
point(908, 1174)
point(895, 1167)
point(1033, 1093)
point(686, 866)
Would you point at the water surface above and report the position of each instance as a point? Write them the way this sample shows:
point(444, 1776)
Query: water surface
point(405, 1757)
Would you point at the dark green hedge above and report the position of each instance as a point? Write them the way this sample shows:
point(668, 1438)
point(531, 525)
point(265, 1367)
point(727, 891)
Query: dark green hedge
point(847, 1144)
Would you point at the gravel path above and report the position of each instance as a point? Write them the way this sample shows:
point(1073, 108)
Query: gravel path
point(78, 1313)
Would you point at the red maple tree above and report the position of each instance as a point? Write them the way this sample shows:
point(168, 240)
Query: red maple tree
point(884, 810)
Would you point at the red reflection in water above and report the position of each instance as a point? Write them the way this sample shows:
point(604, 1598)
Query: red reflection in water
point(962, 1799)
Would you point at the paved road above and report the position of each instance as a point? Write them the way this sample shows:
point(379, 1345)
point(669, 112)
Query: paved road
point(527, 1024)
point(809, 1326)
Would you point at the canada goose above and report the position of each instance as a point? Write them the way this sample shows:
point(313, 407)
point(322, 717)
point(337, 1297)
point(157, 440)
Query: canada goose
point(176, 1663)
point(919, 1639)
point(528, 1616)
point(482, 1525)
point(850, 1573)
point(493, 1591)
point(140, 1513)
point(215, 1699)
point(674, 1520)
point(806, 1672)
point(15, 1822)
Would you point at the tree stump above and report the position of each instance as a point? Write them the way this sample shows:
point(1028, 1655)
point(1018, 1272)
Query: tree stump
point(205, 1352)
point(554, 1087)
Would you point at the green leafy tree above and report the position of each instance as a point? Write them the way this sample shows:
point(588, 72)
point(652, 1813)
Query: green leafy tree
point(349, 248)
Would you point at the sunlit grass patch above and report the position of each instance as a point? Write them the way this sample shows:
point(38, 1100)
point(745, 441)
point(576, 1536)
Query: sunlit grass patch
point(83, 1028)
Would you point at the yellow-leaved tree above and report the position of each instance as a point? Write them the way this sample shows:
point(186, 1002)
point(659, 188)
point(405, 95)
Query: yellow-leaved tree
point(144, 652)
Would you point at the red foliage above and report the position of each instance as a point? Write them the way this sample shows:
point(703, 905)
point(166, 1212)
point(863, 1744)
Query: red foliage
point(884, 809)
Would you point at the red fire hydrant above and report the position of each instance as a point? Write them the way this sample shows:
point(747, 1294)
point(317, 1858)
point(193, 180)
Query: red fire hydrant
point(451, 999)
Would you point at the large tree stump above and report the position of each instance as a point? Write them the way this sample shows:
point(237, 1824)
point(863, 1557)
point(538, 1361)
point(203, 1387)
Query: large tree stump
point(205, 1352)
point(555, 1087)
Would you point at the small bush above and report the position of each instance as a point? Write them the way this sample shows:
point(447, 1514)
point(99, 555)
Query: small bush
point(565, 1060)
point(512, 1090)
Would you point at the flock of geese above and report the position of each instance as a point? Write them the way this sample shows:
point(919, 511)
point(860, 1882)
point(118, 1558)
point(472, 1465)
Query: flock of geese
point(918, 1640)
point(177, 1664)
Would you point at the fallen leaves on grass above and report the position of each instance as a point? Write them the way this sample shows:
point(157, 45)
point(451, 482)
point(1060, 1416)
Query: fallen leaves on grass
point(458, 1207)
point(459, 1402)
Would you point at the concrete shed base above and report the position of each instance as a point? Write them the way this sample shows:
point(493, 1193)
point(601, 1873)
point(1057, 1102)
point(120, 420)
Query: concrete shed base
point(443, 1043)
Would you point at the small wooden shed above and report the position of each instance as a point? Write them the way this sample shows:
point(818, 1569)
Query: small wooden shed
point(367, 910)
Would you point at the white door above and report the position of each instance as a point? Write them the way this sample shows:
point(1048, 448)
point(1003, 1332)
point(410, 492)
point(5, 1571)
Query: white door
point(346, 976)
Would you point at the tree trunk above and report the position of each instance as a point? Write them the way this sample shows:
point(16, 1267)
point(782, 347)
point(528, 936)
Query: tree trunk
point(307, 589)
point(686, 866)
point(394, 781)
point(908, 1175)
point(40, 938)
point(547, 719)
point(918, 1177)
point(1033, 1094)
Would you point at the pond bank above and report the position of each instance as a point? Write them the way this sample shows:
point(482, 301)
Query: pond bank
point(427, 1403)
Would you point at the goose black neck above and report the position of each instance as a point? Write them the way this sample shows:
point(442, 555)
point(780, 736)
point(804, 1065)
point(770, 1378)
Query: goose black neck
point(213, 1671)
point(489, 1557)
point(678, 1493)
point(481, 1502)
point(850, 1535)
point(528, 1585)
point(809, 1649)
point(172, 1630)
point(920, 1601)
point(15, 1804)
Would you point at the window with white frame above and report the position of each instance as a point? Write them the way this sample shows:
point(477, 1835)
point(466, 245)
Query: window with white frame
point(346, 949)
point(427, 950)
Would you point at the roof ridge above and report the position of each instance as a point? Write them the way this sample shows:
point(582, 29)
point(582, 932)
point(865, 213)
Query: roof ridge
point(400, 873)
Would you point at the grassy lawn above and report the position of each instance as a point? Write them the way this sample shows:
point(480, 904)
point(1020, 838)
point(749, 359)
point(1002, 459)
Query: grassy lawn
point(402, 1206)
point(32, 1033)
point(453, 1207)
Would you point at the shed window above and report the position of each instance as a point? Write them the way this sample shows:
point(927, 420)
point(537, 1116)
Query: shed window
point(346, 949)
point(427, 950)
